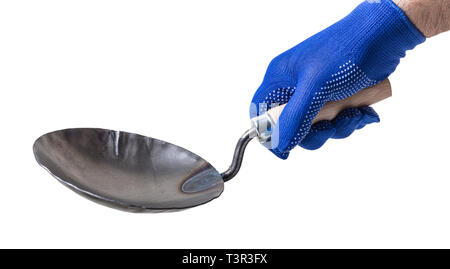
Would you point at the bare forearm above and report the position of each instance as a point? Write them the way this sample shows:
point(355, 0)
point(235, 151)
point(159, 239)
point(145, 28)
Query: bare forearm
point(431, 17)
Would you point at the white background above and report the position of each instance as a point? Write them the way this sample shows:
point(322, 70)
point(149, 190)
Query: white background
point(185, 72)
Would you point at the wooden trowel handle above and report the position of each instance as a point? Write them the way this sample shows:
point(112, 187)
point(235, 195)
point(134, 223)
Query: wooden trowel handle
point(331, 109)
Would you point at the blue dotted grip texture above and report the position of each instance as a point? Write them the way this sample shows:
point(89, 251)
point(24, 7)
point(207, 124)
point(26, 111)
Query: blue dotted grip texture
point(355, 53)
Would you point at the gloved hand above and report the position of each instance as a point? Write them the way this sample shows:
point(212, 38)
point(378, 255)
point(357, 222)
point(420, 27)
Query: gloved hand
point(357, 52)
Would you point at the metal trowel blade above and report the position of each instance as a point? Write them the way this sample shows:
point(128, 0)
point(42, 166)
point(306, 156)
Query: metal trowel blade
point(128, 171)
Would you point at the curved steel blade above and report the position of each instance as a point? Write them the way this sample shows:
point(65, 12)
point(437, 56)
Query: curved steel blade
point(128, 171)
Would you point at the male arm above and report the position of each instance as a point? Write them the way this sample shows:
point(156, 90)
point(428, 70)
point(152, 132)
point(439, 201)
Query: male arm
point(431, 17)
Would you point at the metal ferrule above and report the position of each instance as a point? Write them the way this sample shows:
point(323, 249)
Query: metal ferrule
point(263, 126)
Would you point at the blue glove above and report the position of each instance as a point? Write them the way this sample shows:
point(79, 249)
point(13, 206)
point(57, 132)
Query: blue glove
point(357, 52)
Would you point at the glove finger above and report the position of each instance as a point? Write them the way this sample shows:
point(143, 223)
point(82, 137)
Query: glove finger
point(295, 121)
point(370, 116)
point(342, 126)
point(346, 122)
point(318, 135)
point(270, 96)
point(352, 119)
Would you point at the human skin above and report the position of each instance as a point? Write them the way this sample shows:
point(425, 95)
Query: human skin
point(431, 17)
